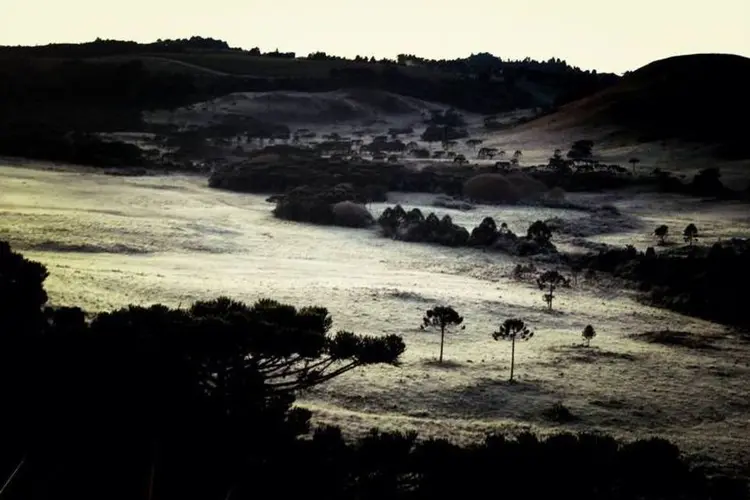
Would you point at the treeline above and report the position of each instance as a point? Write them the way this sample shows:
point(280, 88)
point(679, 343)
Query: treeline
point(161, 403)
point(104, 48)
point(697, 280)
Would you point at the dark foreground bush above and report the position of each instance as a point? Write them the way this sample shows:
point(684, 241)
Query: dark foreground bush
point(160, 403)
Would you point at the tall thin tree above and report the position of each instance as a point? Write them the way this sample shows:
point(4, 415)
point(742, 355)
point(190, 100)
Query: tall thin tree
point(513, 329)
point(441, 318)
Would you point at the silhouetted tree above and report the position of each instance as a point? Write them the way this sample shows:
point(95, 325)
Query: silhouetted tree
point(539, 231)
point(205, 388)
point(550, 281)
point(22, 292)
point(690, 234)
point(588, 334)
point(441, 318)
point(473, 143)
point(661, 232)
point(634, 162)
point(513, 329)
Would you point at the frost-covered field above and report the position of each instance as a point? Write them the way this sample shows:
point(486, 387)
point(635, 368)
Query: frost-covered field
point(110, 241)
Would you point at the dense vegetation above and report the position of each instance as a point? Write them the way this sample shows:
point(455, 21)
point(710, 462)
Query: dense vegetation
point(280, 168)
point(153, 402)
point(692, 280)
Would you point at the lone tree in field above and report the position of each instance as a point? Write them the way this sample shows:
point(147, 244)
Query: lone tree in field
point(634, 162)
point(473, 143)
point(661, 232)
point(588, 334)
point(575, 271)
point(442, 318)
point(550, 281)
point(690, 234)
point(513, 329)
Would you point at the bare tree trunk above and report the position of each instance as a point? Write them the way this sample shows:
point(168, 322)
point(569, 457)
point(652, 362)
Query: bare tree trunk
point(152, 474)
point(512, 356)
point(442, 340)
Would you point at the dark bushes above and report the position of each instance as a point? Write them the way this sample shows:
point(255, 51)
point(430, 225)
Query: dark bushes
point(46, 143)
point(414, 226)
point(339, 205)
point(701, 283)
point(278, 174)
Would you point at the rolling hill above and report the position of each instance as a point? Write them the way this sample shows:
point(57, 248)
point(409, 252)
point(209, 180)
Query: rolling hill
point(701, 98)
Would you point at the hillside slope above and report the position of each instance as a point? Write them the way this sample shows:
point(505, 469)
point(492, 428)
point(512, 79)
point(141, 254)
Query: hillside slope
point(700, 98)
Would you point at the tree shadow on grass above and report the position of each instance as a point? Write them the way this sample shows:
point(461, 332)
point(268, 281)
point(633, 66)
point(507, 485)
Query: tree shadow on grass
point(580, 353)
point(494, 399)
point(446, 364)
point(678, 339)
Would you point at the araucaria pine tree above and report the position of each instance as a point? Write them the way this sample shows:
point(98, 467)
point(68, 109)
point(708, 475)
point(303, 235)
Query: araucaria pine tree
point(513, 329)
point(551, 281)
point(441, 318)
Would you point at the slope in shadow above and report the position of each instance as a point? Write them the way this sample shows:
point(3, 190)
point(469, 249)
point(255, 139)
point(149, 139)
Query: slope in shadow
point(700, 98)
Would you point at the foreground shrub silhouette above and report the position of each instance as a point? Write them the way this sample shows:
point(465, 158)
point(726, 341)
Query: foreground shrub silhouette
point(129, 387)
point(153, 402)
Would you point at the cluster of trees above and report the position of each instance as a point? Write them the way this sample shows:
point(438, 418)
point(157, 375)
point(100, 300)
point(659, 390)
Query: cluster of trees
point(689, 234)
point(699, 283)
point(161, 403)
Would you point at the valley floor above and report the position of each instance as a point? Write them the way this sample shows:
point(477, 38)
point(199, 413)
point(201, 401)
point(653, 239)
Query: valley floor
point(111, 241)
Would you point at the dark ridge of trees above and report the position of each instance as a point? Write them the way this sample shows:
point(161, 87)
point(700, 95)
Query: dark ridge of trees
point(161, 403)
point(103, 48)
point(72, 147)
point(104, 86)
point(456, 83)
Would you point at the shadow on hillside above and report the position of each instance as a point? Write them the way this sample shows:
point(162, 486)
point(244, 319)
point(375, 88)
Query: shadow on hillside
point(445, 364)
point(677, 338)
point(494, 399)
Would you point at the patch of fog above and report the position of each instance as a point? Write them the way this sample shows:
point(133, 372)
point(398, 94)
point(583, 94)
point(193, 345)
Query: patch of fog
point(183, 242)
